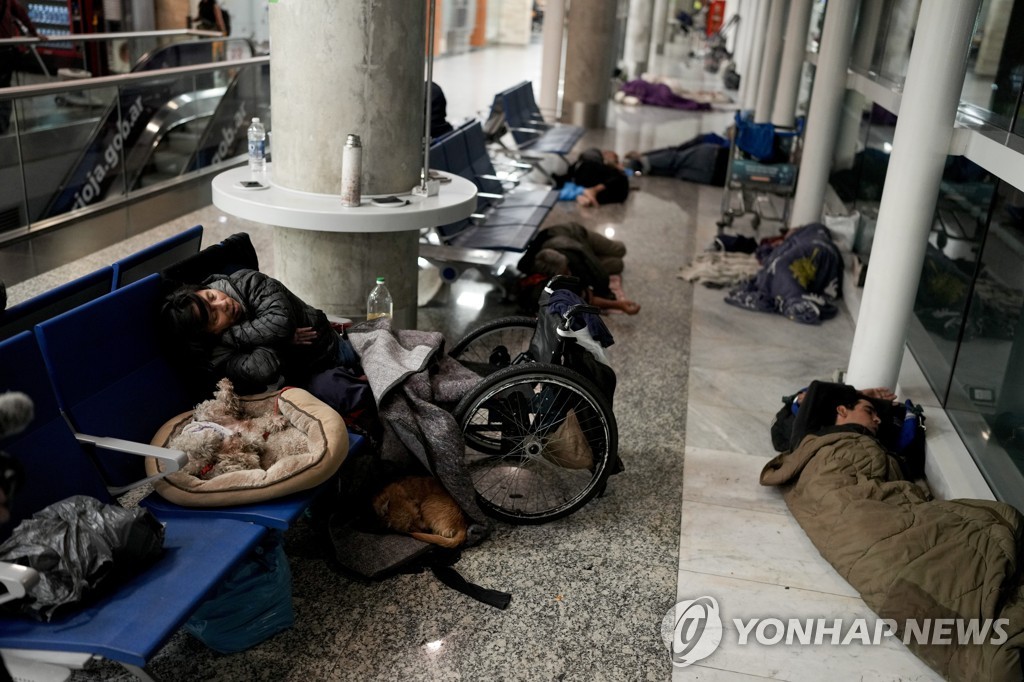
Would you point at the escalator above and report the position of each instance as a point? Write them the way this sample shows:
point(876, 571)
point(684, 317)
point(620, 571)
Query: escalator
point(133, 137)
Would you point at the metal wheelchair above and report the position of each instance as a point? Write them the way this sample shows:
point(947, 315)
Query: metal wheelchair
point(541, 437)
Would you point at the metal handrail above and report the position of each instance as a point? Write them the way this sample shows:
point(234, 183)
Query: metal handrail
point(124, 78)
point(100, 37)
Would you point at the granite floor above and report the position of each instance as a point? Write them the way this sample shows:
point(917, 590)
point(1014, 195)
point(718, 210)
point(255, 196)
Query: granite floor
point(698, 384)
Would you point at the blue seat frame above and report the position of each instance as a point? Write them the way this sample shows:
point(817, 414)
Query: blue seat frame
point(527, 125)
point(25, 315)
point(155, 258)
point(505, 221)
point(131, 623)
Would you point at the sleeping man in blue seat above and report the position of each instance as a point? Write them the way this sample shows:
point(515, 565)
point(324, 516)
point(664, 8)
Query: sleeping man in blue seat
point(250, 328)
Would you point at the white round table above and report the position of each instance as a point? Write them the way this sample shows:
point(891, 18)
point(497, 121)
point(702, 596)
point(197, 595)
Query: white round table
point(330, 255)
point(285, 207)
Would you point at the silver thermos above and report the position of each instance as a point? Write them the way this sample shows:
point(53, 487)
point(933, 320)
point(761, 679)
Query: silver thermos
point(351, 171)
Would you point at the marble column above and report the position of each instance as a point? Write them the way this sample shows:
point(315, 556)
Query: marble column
point(341, 67)
point(659, 27)
point(826, 107)
point(589, 60)
point(935, 76)
point(551, 61)
point(793, 53)
point(751, 77)
point(638, 36)
point(770, 61)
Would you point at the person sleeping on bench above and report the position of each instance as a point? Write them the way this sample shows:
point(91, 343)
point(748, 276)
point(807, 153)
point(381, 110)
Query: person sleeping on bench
point(250, 328)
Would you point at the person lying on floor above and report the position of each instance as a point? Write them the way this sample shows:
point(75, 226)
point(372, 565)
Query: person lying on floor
point(249, 327)
point(600, 175)
point(912, 558)
point(572, 249)
point(704, 160)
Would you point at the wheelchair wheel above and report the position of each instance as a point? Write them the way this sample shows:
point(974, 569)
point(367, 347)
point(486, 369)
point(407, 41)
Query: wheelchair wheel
point(539, 442)
point(495, 344)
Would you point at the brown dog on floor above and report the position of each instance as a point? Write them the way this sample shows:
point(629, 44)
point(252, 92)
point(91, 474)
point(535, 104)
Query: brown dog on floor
point(421, 507)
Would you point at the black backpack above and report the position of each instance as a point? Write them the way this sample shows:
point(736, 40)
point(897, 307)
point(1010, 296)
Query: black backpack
point(901, 431)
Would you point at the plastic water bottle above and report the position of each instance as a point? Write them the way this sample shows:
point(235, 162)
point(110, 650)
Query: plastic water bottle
point(257, 147)
point(378, 304)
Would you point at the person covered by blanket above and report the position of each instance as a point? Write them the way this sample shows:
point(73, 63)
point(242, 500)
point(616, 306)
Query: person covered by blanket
point(249, 327)
point(572, 249)
point(600, 175)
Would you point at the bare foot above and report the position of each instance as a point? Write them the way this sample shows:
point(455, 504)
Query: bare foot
point(585, 199)
point(629, 307)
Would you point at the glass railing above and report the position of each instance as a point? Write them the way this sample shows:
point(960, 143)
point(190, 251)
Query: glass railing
point(75, 146)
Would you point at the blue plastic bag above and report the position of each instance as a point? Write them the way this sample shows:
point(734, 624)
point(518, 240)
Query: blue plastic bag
point(569, 191)
point(251, 605)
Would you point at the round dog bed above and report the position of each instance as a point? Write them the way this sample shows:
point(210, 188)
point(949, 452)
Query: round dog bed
point(319, 425)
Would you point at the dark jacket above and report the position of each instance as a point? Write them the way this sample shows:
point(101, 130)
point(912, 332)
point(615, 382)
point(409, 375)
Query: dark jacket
point(259, 351)
point(11, 10)
point(570, 239)
point(590, 170)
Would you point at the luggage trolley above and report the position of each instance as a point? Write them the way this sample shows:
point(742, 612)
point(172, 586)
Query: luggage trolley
point(541, 438)
point(763, 165)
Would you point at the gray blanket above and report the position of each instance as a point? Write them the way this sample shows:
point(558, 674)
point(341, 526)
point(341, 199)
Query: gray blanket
point(415, 384)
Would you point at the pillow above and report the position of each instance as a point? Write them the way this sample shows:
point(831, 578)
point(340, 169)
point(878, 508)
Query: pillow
point(323, 428)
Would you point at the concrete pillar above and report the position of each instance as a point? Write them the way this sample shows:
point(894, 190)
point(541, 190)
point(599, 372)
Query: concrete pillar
point(340, 67)
point(551, 60)
point(935, 77)
point(770, 61)
point(752, 76)
point(793, 54)
point(659, 28)
point(589, 60)
point(638, 36)
point(823, 116)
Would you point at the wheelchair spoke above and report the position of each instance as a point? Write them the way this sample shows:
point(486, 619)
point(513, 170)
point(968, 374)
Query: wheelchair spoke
point(537, 442)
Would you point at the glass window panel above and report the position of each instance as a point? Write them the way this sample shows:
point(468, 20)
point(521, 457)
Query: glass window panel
point(13, 212)
point(55, 130)
point(986, 396)
point(951, 261)
point(861, 185)
point(992, 84)
point(896, 35)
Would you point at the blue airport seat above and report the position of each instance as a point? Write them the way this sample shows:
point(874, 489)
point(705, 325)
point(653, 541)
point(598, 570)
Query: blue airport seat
point(155, 258)
point(131, 623)
point(527, 125)
point(25, 315)
point(223, 258)
point(121, 384)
